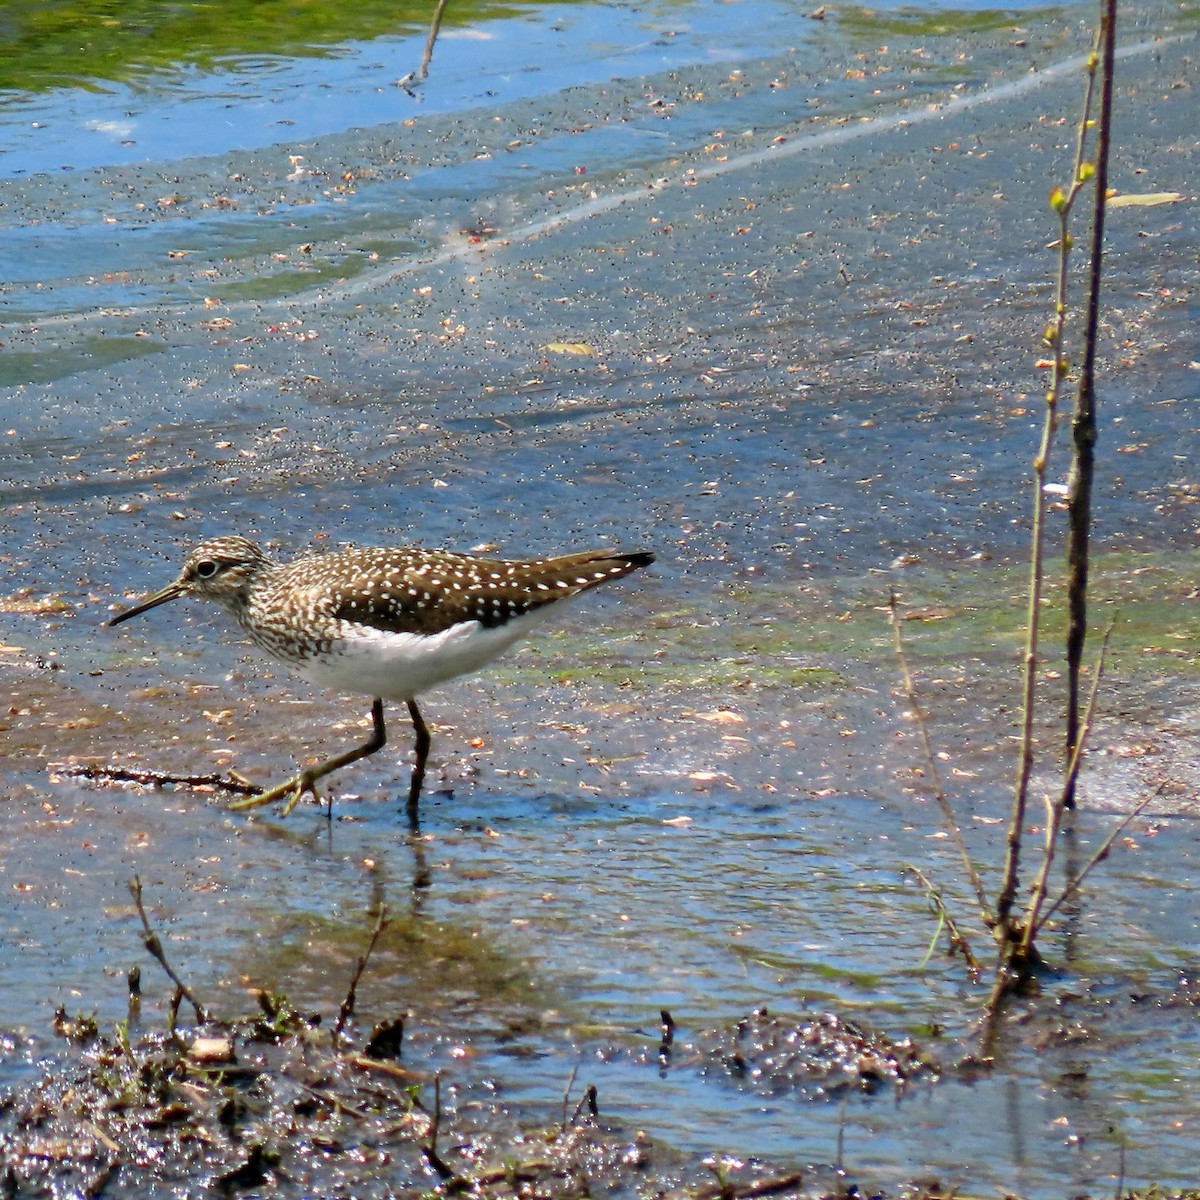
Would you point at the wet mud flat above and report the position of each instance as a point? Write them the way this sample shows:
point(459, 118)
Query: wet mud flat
point(801, 376)
point(275, 1102)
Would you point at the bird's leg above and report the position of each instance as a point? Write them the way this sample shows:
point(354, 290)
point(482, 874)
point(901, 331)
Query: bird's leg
point(306, 781)
point(422, 755)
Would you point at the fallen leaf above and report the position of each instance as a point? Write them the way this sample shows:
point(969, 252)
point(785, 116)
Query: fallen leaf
point(928, 614)
point(33, 606)
point(1145, 199)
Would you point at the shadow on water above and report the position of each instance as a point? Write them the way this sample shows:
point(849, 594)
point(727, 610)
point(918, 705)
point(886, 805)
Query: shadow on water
point(768, 311)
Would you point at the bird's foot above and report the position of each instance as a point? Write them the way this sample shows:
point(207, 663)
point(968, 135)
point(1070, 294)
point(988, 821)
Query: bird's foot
point(293, 789)
point(306, 781)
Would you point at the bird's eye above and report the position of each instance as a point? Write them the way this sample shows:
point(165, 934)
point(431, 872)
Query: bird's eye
point(206, 568)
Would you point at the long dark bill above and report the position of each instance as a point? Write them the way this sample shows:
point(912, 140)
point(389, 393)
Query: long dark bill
point(171, 592)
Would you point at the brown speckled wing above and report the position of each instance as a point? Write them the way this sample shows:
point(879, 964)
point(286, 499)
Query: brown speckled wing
point(428, 591)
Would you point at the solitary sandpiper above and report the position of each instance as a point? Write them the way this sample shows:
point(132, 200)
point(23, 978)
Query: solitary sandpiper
point(386, 623)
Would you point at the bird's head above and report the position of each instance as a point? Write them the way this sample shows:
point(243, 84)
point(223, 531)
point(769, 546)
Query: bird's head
point(221, 569)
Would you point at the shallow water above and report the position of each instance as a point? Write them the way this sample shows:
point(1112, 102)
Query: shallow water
point(806, 376)
point(549, 928)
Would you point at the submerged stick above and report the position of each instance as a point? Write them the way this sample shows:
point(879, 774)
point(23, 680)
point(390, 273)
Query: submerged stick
point(158, 779)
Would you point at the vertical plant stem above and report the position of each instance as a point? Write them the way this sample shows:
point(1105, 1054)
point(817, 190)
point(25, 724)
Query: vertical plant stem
point(1012, 860)
point(1062, 203)
point(1083, 424)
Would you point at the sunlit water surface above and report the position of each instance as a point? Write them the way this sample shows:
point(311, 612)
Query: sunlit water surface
point(231, 301)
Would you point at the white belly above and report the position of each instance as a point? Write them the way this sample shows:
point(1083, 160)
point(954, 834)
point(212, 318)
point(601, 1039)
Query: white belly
point(399, 666)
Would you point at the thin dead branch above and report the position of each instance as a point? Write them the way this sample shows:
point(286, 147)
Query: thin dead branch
point(452, 1180)
point(939, 793)
point(161, 779)
point(347, 1006)
point(567, 1095)
point(958, 940)
point(409, 81)
point(1074, 885)
point(154, 947)
point(588, 1102)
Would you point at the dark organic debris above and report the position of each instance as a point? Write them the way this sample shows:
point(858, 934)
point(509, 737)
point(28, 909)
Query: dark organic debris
point(387, 1039)
point(820, 1056)
point(281, 1107)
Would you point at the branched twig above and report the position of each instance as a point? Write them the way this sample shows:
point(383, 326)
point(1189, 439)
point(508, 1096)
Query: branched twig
point(1062, 203)
point(939, 794)
point(347, 1008)
point(1057, 809)
point(454, 1181)
point(154, 946)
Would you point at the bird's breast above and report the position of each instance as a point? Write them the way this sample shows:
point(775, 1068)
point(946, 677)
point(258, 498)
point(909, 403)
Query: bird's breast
point(400, 666)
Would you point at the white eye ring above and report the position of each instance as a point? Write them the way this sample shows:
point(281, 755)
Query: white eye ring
point(206, 569)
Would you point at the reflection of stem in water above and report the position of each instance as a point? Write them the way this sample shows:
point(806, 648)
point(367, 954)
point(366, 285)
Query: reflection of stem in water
point(1072, 910)
point(422, 880)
